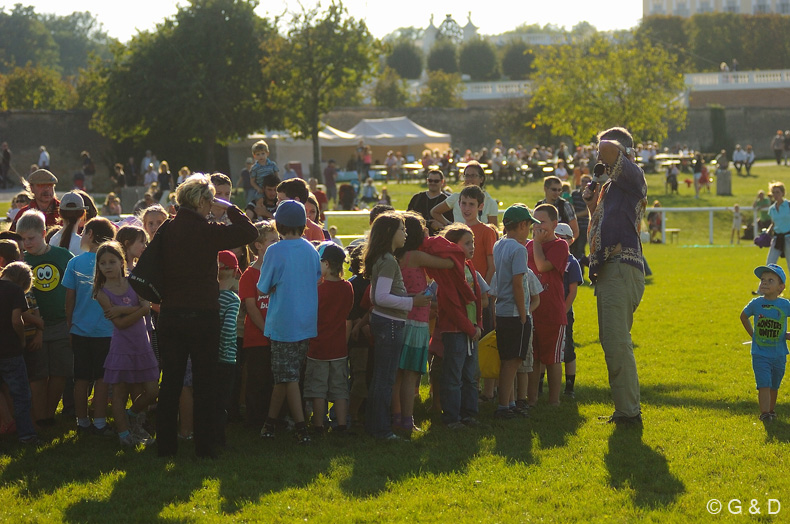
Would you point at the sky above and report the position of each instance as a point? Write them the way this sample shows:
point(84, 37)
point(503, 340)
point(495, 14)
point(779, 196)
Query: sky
point(123, 19)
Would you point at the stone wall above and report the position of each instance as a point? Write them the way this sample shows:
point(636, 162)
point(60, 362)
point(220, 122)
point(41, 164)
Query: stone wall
point(65, 134)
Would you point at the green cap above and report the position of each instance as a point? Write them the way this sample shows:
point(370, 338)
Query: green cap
point(518, 213)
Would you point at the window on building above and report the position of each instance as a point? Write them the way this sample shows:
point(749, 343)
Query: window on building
point(784, 7)
point(681, 9)
point(761, 7)
point(731, 7)
point(704, 7)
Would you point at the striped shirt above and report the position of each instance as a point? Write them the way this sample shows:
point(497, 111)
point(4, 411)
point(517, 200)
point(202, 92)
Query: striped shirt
point(228, 311)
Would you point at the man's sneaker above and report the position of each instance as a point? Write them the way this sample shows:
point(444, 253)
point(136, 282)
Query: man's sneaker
point(456, 425)
point(106, 431)
point(267, 431)
point(303, 436)
point(765, 417)
point(504, 414)
point(470, 422)
point(623, 421)
point(32, 440)
point(773, 415)
point(570, 394)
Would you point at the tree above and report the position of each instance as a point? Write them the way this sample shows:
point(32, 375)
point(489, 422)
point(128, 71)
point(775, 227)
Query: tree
point(668, 32)
point(406, 59)
point(517, 60)
point(324, 55)
point(442, 90)
point(25, 39)
point(390, 90)
point(478, 59)
point(764, 41)
point(197, 78)
point(714, 38)
point(443, 57)
point(35, 87)
point(77, 36)
point(582, 89)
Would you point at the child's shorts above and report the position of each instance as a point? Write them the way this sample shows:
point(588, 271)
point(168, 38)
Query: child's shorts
point(89, 356)
point(549, 344)
point(512, 338)
point(768, 372)
point(58, 359)
point(287, 358)
point(327, 379)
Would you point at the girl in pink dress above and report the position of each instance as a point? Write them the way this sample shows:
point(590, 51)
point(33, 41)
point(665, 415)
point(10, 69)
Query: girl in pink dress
point(130, 366)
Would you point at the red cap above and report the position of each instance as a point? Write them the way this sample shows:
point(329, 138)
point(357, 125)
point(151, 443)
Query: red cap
point(228, 260)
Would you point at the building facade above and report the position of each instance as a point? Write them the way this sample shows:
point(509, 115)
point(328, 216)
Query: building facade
point(693, 7)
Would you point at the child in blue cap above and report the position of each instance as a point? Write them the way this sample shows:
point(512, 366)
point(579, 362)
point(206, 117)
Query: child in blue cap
point(769, 336)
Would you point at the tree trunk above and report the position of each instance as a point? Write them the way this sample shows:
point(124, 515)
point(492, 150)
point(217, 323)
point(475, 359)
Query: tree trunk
point(316, 170)
point(210, 161)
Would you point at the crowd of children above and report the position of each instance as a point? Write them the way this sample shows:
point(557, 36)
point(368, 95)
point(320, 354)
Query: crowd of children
point(296, 336)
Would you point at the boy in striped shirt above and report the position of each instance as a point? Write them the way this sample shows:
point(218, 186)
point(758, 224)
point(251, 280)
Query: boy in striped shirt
point(229, 303)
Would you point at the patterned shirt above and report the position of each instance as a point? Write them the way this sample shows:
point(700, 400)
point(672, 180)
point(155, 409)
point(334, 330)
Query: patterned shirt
point(228, 312)
point(618, 217)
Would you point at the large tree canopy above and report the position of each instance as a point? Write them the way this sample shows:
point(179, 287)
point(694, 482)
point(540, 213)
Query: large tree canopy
point(406, 59)
point(478, 59)
point(323, 56)
point(197, 78)
point(582, 89)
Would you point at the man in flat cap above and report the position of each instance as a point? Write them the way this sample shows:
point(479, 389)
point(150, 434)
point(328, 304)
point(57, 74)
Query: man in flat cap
point(42, 184)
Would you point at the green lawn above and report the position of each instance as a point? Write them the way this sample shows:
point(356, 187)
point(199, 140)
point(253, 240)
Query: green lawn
point(701, 438)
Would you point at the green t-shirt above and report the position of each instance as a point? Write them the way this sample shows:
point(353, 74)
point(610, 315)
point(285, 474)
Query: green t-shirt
point(48, 270)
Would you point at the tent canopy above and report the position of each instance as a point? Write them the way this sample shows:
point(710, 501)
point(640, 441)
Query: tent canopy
point(398, 131)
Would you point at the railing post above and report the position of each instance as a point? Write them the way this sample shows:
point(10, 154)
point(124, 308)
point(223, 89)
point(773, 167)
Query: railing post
point(710, 226)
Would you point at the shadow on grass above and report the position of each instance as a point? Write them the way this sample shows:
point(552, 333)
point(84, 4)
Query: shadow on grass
point(777, 431)
point(634, 465)
point(553, 425)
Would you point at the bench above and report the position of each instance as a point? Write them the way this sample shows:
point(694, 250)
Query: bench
point(674, 234)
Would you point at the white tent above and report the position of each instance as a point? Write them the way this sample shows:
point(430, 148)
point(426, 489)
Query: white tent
point(394, 132)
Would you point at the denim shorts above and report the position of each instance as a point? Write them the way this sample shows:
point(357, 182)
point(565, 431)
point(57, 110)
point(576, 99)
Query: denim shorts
point(768, 371)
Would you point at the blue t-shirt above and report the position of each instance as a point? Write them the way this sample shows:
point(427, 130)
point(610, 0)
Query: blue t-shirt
point(770, 326)
point(573, 273)
point(510, 259)
point(258, 171)
point(87, 320)
point(780, 217)
point(290, 273)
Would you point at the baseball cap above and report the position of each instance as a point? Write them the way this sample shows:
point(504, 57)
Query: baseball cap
point(42, 176)
point(331, 252)
point(72, 201)
point(518, 213)
point(773, 268)
point(290, 213)
point(563, 230)
point(228, 260)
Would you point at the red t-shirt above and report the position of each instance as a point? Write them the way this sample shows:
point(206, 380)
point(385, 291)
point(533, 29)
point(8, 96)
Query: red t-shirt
point(552, 300)
point(335, 300)
point(313, 231)
point(485, 238)
point(248, 288)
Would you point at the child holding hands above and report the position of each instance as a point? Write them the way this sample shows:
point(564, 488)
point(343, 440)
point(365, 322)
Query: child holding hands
point(769, 336)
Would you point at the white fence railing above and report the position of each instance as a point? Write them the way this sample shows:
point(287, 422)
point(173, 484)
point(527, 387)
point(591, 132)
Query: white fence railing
point(709, 210)
point(772, 79)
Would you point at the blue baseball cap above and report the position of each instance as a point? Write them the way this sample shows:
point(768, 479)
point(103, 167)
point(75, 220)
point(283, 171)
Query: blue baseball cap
point(773, 268)
point(290, 213)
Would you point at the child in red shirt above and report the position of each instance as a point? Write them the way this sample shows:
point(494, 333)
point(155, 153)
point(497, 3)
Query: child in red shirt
point(548, 256)
point(326, 371)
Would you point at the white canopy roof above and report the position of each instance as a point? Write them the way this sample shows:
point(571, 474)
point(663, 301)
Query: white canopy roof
point(396, 131)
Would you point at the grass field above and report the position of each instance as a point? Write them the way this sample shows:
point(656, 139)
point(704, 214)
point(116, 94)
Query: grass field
point(701, 438)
